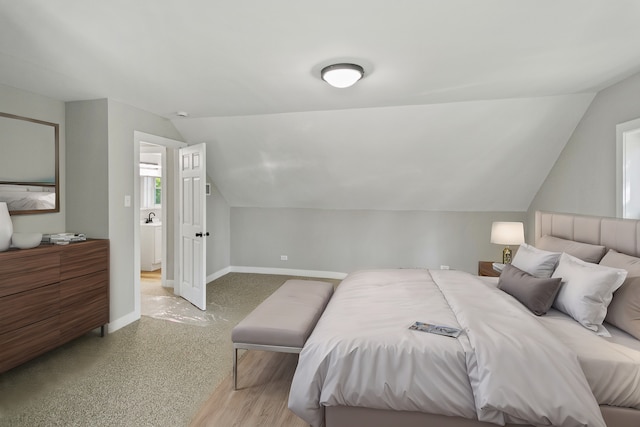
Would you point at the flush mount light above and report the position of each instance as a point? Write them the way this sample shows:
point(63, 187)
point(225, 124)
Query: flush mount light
point(342, 75)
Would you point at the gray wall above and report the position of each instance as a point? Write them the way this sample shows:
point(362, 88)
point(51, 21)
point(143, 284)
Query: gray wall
point(87, 170)
point(348, 240)
point(583, 179)
point(27, 104)
point(218, 225)
point(123, 121)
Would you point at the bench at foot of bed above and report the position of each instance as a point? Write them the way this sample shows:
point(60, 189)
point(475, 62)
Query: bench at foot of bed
point(283, 321)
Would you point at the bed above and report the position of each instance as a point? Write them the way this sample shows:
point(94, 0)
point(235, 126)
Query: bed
point(28, 197)
point(363, 366)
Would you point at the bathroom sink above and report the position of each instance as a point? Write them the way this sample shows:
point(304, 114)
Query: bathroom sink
point(150, 224)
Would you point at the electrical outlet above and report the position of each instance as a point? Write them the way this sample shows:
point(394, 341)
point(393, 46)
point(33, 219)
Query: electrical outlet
point(444, 267)
point(283, 258)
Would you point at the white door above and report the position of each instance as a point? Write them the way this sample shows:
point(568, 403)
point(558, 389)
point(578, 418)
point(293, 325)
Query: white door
point(193, 225)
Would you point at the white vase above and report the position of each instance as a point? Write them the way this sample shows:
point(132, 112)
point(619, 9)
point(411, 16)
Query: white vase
point(6, 227)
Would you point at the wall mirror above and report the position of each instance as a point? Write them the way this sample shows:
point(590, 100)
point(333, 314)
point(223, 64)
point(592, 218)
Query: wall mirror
point(29, 180)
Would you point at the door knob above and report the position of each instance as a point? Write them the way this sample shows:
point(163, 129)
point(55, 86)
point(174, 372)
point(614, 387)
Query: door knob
point(200, 234)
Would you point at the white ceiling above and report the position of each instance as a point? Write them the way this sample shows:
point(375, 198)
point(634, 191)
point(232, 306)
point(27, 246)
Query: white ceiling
point(465, 105)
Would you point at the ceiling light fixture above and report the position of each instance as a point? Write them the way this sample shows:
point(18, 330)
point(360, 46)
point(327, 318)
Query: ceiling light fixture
point(342, 75)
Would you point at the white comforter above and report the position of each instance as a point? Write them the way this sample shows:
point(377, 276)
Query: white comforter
point(28, 200)
point(505, 367)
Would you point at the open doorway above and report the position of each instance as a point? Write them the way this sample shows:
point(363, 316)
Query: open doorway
point(153, 204)
point(165, 213)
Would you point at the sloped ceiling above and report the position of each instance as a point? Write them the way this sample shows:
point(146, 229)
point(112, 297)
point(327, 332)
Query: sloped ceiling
point(465, 105)
point(477, 155)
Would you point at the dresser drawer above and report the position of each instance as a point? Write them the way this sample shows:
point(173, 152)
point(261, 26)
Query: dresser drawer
point(79, 320)
point(79, 259)
point(41, 269)
point(18, 346)
point(29, 307)
point(82, 290)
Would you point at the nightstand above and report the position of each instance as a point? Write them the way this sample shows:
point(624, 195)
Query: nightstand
point(485, 268)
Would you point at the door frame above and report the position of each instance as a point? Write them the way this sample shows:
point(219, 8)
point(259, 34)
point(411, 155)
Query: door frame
point(624, 130)
point(171, 145)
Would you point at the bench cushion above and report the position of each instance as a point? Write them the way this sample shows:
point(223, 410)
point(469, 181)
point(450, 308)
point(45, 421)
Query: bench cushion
point(287, 317)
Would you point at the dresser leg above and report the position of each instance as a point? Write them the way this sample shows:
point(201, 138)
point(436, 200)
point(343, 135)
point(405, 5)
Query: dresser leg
point(102, 331)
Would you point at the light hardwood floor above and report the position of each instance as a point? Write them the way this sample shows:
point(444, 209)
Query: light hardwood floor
point(151, 275)
point(264, 379)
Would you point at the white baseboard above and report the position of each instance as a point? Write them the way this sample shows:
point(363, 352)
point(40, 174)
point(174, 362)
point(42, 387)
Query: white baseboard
point(218, 274)
point(123, 321)
point(288, 272)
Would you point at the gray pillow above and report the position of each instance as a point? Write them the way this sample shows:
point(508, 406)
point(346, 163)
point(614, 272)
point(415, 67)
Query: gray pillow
point(537, 294)
point(619, 260)
point(624, 310)
point(584, 251)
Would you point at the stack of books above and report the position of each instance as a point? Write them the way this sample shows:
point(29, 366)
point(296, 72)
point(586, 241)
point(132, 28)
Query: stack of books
point(63, 238)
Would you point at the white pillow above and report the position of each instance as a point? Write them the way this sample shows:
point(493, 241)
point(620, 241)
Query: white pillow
point(535, 261)
point(586, 290)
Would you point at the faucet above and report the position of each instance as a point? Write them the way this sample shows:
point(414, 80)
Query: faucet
point(149, 220)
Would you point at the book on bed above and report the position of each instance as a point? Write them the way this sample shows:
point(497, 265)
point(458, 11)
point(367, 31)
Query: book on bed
point(447, 331)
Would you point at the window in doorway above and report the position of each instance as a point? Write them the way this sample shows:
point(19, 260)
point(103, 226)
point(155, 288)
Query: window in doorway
point(158, 190)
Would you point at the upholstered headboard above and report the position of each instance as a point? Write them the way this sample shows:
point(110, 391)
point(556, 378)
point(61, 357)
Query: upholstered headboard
point(622, 235)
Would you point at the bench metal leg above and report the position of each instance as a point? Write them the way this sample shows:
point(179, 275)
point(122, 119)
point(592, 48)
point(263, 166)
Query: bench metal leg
point(261, 347)
point(235, 368)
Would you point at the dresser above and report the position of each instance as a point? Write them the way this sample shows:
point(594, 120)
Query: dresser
point(50, 295)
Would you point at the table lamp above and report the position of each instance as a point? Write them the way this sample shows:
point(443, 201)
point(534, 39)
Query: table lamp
point(507, 233)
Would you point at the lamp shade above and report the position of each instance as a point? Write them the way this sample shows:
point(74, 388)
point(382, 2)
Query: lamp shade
point(342, 75)
point(507, 233)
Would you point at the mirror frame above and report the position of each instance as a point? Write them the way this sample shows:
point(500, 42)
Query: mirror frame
point(56, 131)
